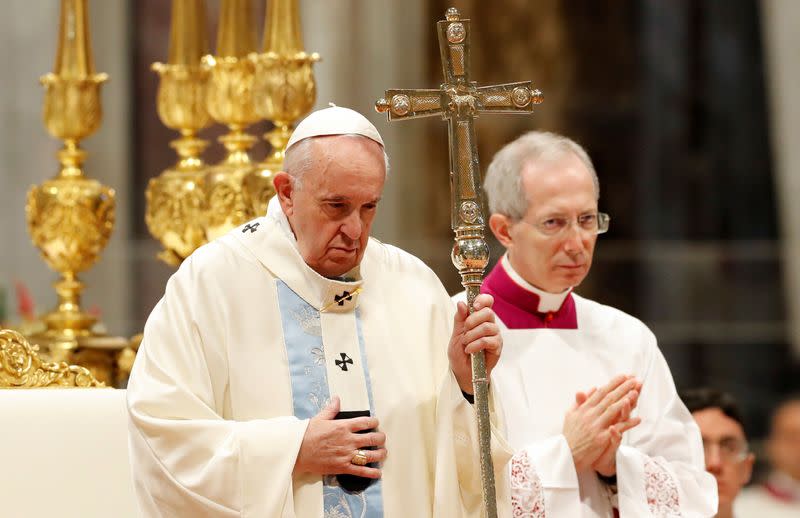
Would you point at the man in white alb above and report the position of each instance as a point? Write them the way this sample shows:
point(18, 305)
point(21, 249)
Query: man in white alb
point(727, 455)
point(590, 406)
point(779, 495)
point(296, 367)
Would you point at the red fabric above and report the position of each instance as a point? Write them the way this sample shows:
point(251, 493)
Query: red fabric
point(25, 306)
point(518, 307)
point(779, 494)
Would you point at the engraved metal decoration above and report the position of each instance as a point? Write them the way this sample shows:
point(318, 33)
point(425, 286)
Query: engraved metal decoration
point(458, 101)
point(21, 367)
point(70, 217)
point(284, 90)
point(469, 211)
point(176, 198)
point(230, 101)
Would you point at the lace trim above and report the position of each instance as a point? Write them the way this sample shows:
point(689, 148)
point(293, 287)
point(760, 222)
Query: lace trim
point(527, 495)
point(661, 490)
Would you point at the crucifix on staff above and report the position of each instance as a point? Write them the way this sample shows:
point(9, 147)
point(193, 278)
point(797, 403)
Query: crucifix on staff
point(459, 101)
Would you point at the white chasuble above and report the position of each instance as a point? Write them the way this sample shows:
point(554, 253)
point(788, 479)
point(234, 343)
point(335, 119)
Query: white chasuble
point(556, 345)
point(248, 343)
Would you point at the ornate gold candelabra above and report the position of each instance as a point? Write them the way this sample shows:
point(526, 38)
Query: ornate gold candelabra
point(284, 91)
point(230, 102)
point(176, 199)
point(70, 217)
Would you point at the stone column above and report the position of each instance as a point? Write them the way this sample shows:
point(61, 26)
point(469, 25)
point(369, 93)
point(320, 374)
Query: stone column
point(781, 41)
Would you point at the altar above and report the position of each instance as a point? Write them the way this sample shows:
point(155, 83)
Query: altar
point(65, 453)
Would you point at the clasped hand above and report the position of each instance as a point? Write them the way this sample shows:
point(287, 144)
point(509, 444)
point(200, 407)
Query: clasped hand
point(329, 444)
point(593, 427)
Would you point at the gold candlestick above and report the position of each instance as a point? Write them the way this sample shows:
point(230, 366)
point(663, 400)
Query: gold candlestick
point(70, 217)
point(176, 198)
point(285, 90)
point(230, 102)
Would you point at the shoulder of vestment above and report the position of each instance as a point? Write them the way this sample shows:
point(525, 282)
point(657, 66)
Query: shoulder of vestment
point(597, 317)
point(384, 258)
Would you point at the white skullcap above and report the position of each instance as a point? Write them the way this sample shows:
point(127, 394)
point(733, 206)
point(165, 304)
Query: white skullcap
point(334, 121)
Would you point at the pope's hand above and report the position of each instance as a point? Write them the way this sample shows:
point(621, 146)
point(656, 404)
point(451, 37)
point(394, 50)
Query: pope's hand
point(593, 427)
point(472, 333)
point(329, 444)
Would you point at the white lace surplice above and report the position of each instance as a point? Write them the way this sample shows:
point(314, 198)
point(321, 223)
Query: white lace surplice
point(660, 468)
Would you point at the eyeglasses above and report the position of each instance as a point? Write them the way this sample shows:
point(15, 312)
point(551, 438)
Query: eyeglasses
point(731, 449)
point(591, 223)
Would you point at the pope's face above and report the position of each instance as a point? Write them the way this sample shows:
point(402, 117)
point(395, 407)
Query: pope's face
point(562, 189)
point(717, 430)
point(332, 209)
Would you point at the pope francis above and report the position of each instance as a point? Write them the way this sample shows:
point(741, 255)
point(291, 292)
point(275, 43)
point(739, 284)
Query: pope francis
point(296, 367)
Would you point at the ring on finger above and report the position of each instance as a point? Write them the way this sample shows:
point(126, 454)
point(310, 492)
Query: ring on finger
point(359, 458)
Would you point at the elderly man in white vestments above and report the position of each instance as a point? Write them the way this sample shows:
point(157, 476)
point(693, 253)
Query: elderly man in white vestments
point(289, 357)
point(590, 407)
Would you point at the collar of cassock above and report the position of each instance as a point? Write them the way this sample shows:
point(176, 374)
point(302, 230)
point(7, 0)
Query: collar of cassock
point(783, 487)
point(520, 305)
point(276, 248)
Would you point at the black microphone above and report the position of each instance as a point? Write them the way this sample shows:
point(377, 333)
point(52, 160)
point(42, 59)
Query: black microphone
point(354, 483)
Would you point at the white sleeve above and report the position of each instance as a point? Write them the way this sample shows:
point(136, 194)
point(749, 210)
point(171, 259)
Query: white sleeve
point(544, 481)
point(458, 486)
point(660, 466)
point(186, 459)
point(458, 472)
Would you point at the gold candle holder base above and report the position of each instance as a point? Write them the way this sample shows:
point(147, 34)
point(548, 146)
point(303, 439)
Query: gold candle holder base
point(257, 186)
point(176, 203)
point(226, 206)
point(102, 354)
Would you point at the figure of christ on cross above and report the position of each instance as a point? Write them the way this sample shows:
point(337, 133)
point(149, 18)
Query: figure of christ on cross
point(459, 100)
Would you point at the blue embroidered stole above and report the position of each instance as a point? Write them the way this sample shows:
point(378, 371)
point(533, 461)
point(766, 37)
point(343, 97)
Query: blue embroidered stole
point(302, 331)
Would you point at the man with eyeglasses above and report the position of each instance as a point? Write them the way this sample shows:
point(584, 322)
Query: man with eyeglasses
point(588, 400)
point(724, 443)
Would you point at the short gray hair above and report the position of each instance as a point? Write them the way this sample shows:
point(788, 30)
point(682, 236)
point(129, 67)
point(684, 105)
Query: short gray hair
point(503, 182)
point(300, 157)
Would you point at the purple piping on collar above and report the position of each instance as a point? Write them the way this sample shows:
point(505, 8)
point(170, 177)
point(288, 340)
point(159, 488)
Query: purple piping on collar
point(518, 307)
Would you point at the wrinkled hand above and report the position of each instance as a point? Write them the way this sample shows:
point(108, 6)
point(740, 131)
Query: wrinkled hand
point(472, 333)
point(328, 444)
point(593, 427)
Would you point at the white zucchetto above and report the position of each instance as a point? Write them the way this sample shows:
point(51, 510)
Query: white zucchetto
point(334, 121)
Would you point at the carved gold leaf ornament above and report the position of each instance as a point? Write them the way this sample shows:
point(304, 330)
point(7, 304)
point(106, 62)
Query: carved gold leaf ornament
point(231, 102)
point(70, 220)
point(72, 108)
point(230, 91)
point(21, 367)
point(181, 97)
point(175, 206)
point(176, 198)
point(284, 90)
